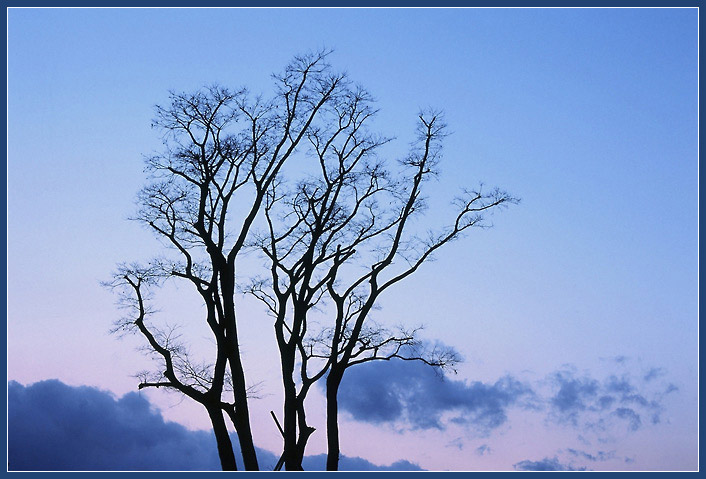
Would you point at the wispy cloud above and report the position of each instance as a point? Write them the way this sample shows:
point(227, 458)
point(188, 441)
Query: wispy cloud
point(653, 374)
point(597, 457)
point(595, 404)
point(570, 459)
point(483, 450)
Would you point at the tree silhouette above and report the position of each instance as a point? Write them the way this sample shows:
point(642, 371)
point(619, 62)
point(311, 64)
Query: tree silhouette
point(221, 149)
point(340, 238)
point(335, 239)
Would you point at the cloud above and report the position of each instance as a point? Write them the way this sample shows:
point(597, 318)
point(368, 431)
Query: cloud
point(483, 450)
point(390, 391)
point(56, 427)
point(318, 463)
point(570, 460)
point(457, 443)
point(593, 404)
point(546, 464)
point(653, 374)
point(573, 394)
point(415, 396)
point(631, 416)
point(670, 389)
point(598, 456)
point(52, 426)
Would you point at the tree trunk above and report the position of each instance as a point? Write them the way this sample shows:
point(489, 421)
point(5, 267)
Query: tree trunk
point(225, 446)
point(241, 416)
point(291, 456)
point(334, 448)
point(305, 431)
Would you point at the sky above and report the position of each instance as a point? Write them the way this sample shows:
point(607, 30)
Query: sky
point(576, 314)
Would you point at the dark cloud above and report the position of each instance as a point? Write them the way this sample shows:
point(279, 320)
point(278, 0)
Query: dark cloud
point(52, 426)
point(385, 392)
point(546, 464)
point(55, 427)
point(318, 463)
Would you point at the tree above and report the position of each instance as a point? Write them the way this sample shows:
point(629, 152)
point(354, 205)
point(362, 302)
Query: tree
point(337, 238)
point(352, 215)
point(221, 149)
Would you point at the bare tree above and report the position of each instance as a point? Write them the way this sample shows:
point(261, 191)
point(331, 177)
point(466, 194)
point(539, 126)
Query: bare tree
point(291, 297)
point(199, 382)
point(337, 239)
point(223, 153)
point(355, 299)
point(323, 231)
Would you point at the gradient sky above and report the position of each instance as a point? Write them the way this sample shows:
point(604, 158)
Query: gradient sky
point(587, 288)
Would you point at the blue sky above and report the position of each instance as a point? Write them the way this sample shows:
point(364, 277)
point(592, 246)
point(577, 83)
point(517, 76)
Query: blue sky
point(588, 115)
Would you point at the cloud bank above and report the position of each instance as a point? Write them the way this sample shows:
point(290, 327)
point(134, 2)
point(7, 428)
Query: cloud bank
point(56, 427)
point(52, 426)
